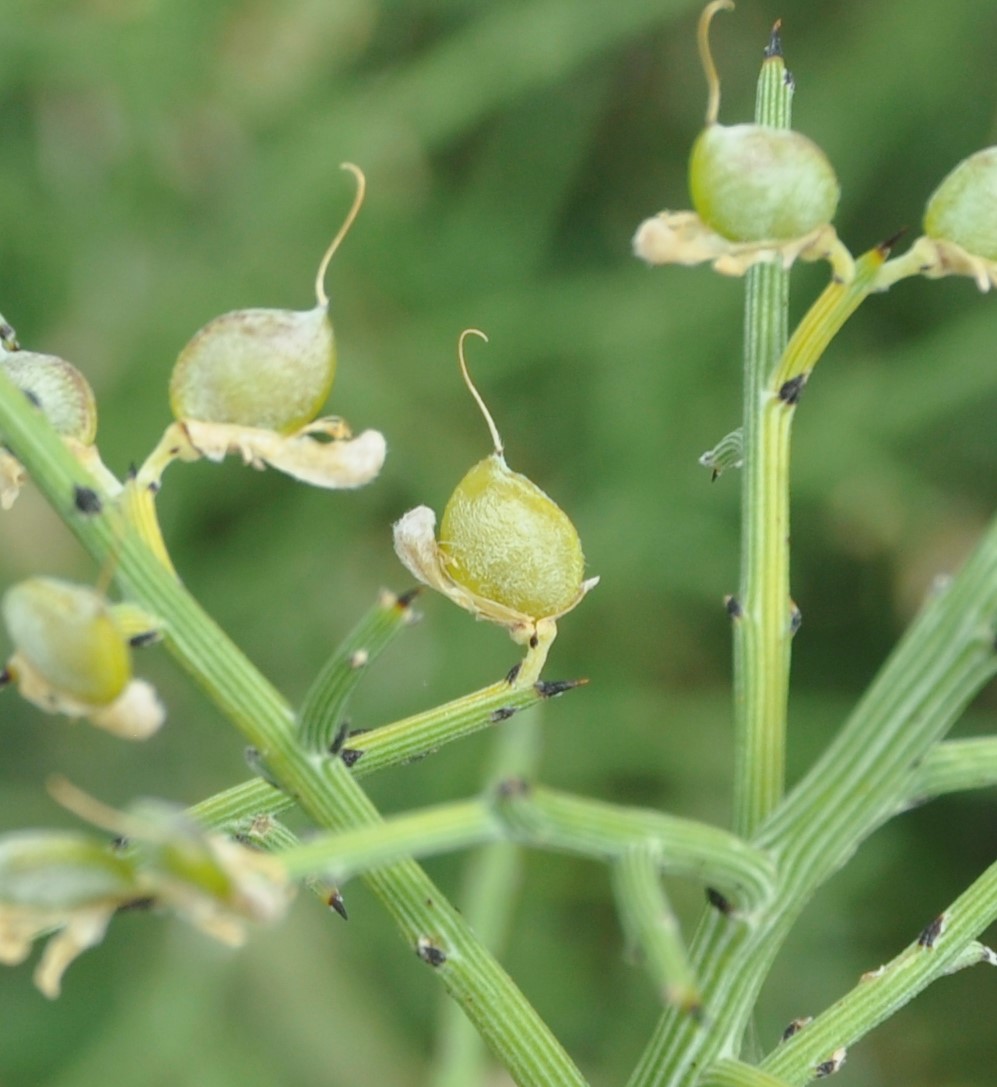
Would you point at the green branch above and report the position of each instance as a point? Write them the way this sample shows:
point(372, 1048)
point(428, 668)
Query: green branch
point(324, 786)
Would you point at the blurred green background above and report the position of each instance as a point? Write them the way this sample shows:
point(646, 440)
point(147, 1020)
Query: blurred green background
point(163, 162)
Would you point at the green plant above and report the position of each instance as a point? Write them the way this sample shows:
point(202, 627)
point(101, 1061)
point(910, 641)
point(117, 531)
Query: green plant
point(891, 745)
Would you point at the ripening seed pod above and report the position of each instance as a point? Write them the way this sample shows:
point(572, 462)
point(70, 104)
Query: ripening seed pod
point(751, 182)
point(504, 540)
point(963, 209)
point(67, 634)
point(58, 389)
point(267, 369)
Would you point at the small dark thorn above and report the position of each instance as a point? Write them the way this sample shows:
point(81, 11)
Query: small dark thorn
point(510, 676)
point(831, 1065)
point(503, 713)
point(733, 606)
point(534, 642)
point(795, 619)
point(513, 787)
point(86, 500)
point(8, 337)
point(795, 1027)
point(714, 475)
point(144, 638)
point(429, 952)
point(774, 47)
point(553, 687)
point(350, 756)
point(154, 487)
point(358, 731)
point(132, 471)
point(789, 80)
point(931, 932)
point(336, 903)
point(256, 763)
point(717, 901)
point(887, 247)
point(32, 399)
point(791, 390)
point(342, 732)
point(5, 677)
point(404, 600)
point(119, 843)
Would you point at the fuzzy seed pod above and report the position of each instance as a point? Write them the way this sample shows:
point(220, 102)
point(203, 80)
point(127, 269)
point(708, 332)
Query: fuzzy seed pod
point(963, 209)
point(751, 182)
point(504, 540)
point(67, 634)
point(268, 369)
point(58, 389)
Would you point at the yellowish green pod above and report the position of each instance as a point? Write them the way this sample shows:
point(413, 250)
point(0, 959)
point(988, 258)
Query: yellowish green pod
point(753, 183)
point(266, 369)
point(963, 209)
point(56, 387)
point(67, 634)
point(504, 539)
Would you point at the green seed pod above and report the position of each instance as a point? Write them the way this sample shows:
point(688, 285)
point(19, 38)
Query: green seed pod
point(267, 369)
point(751, 182)
point(963, 209)
point(504, 540)
point(61, 392)
point(67, 634)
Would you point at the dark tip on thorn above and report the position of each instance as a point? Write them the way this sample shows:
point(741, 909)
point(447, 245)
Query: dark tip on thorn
point(513, 787)
point(795, 1027)
point(154, 487)
point(931, 932)
point(32, 399)
point(503, 713)
point(8, 337)
point(795, 619)
point(336, 903)
point(733, 606)
point(831, 1065)
point(791, 390)
point(144, 638)
point(429, 952)
point(789, 80)
point(404, 600)
point(350, 756)
point(534, 642)
point(132, 471)
point(718, 902)
point(510, 676)
point(119, 843)
point(887, 247)
point(5, 677)
point(86, 500)
point(774, 47)
point(339, 737)
point(554, 687)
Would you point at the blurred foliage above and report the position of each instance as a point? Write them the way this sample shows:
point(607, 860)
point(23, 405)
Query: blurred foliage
point(164, 162)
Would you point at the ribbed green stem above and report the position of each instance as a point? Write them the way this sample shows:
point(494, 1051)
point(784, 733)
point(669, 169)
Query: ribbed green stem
point(762, 610)
point(732, 1073)
point(884, 991)
point(684, 847)
point(324, 786)
point(942, 661)
point(323, 708)
point(953, 767)
point(652, 929)
point(488, 899)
